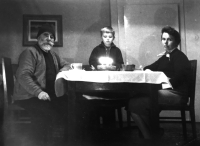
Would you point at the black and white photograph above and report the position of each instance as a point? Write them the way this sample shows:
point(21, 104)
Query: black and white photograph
point(99, 73)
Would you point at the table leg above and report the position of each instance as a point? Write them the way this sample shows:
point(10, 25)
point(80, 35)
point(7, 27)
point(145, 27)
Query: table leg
point(73, 125)
point(77, 118)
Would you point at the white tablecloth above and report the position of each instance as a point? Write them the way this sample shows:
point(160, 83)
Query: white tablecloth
point(111, 77)
point(114, 76)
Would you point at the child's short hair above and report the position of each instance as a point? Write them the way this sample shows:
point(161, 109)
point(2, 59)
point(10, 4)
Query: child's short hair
point(107, 29)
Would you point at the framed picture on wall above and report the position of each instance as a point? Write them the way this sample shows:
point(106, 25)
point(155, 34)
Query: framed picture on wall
point(32, 23)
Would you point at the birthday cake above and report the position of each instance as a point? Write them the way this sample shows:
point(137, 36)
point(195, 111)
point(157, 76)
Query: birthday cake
point(106, 67)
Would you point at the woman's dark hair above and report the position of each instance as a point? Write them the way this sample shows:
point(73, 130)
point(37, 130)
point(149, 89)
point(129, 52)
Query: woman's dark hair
point(171, 31)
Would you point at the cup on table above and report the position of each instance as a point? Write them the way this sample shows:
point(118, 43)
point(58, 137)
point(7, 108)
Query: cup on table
point(76, 66)
point(128, 67)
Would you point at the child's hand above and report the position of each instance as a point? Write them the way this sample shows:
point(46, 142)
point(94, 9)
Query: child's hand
point(92, 67)
point(140, 67)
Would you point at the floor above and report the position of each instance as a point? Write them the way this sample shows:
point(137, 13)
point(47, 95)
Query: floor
point(16, 135)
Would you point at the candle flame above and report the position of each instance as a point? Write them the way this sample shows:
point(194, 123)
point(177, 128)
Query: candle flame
point(105, 60)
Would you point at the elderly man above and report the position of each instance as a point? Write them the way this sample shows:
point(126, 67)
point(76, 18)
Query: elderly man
point(34, 88)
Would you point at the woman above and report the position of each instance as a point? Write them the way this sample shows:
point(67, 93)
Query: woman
point(176, 67)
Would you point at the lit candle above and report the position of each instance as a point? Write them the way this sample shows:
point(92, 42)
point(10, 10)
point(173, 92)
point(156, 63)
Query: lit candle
point(106, 61)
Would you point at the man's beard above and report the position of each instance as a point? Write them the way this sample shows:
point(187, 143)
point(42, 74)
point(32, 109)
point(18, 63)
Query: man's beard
point(46, 46)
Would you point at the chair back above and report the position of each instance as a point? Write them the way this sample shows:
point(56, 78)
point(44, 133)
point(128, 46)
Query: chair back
point(192, 83)
point(8, 80)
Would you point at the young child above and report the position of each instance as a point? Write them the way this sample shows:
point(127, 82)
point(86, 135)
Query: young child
point(106, 49)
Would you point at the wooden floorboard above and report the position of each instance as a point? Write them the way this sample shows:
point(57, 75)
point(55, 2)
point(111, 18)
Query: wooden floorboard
point(16, 135)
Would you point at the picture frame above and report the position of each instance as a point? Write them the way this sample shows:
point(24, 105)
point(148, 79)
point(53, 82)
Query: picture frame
point(32, 23)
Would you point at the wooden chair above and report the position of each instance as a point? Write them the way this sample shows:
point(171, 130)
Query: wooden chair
point(110, 102)
point(186, 107)
point(11, 111)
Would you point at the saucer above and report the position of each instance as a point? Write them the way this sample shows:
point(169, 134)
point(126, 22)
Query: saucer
point(76, 70)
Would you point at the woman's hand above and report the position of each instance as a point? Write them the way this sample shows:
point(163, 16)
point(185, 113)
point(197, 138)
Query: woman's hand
point(148, 70)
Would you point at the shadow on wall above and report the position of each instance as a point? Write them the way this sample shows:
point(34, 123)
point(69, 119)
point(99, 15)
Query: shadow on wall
point(190, 5)
point(151, 45)
point(90, 38)
point(70, 60)
point(10, 27)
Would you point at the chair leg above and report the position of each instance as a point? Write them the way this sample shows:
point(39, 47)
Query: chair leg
point(8, 121)
point(183, 124)
point(128, 118)
point(119, 112)
point(192, 116)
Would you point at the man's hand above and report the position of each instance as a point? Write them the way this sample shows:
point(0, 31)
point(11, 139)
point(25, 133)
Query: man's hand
point(44, 96)
point(66, 68)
